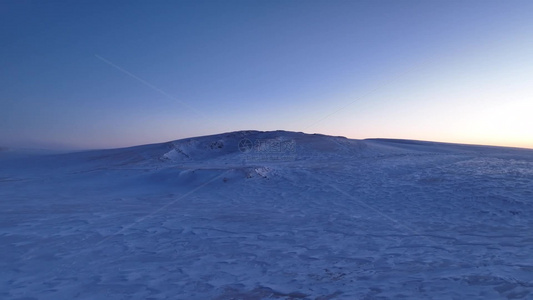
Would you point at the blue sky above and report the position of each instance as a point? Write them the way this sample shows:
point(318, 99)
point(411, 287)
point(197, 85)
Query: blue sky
point(101, 74)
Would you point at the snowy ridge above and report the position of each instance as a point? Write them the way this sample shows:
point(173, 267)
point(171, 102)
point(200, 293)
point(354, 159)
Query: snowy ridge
point(269, 215)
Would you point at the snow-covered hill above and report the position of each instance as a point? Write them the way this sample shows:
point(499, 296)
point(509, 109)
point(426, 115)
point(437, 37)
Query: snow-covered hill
point(269, 215)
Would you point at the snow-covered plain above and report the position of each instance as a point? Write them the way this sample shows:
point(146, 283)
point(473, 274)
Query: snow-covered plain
point(268, 215)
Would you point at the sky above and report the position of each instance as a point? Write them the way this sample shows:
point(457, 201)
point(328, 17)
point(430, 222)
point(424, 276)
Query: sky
point(106, 74)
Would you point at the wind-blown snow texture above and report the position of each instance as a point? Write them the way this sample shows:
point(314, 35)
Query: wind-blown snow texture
point(294, 216)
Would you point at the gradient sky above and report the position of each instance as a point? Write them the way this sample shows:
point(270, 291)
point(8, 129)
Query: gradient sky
point(102, 74)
